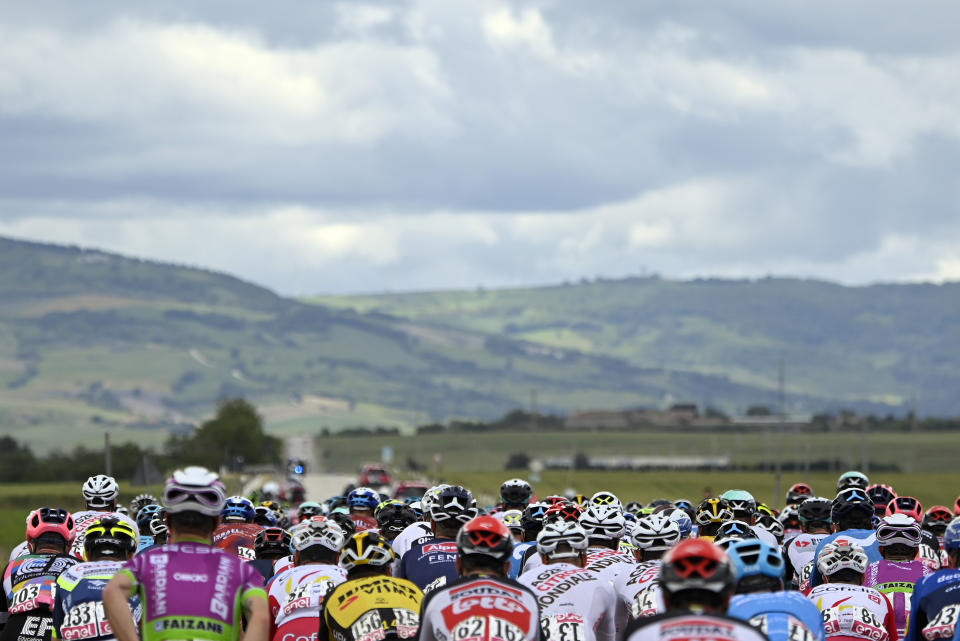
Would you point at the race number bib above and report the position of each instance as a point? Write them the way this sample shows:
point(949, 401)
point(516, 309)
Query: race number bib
point(369, 627)
point(85, 621)
point(482, 628)
point(796, 630)
point(245, 553)
point(644, 604)
point(564, 627)
point(406, 622)
point(943, 625)
point(855, 621)
point(26, 598)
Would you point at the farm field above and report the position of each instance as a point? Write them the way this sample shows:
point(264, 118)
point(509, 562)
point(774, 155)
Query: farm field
point(488, 451)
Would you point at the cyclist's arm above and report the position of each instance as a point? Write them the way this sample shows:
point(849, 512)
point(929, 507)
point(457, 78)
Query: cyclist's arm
point(918, 615)
point(258, 617)
point(116, 604)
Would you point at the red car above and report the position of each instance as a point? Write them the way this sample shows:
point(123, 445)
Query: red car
point(374, 475)
point(410, 488)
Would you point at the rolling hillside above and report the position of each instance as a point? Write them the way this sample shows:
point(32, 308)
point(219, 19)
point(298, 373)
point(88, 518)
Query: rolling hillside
point(895, 344)
point(91, 341)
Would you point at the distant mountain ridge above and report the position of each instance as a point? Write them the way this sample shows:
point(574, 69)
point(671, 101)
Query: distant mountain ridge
point(92, 341)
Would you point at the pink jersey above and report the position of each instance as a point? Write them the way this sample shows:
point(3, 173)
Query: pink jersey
point(896, 580)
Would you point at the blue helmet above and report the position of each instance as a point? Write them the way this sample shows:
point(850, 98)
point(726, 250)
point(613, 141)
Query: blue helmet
point(237, 508)
point(951, 538)
point(262, 515)
point(145, 515)
point(363, 497)
point(683, 521)
point(753, 557)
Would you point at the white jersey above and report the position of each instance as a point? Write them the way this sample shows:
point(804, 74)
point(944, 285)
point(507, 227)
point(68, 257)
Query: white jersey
point(800, 552)
point(765, 536)
point(610, 564)
point(21, 549)
point(639, 592)
point(574, 603)
point(282, 564)
point(299, 591)
point(687, 626)
point(855, 611)
point(476, 608)
point(83, 520)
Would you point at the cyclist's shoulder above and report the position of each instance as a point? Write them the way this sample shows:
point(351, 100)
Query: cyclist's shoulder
point(717, 626)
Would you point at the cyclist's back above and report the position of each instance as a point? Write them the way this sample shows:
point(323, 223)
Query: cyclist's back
point(79, 607)
point(639, 591)
point(935, 607)
point(574, 603)
point(189, 589)
point(896, 580)
point(29, 582)
point(854, 612)
point(237, 538)
point(370, 604)
point(782, 616)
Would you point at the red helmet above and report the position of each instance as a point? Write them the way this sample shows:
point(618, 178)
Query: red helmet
point(906, 505)
point(553, 499)
point(937, 518)
point(956, 506)
point(798, 492)
point(881, 495)
point(50, 520)
point(697, 564)
point(565, 511)
point(485, 536)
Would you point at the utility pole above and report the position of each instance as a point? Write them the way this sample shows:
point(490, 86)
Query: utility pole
point(107, 463)
point(533, 409)
point(778, 445)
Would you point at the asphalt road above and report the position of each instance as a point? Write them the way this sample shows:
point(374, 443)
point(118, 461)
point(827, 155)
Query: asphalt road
point(318, 484)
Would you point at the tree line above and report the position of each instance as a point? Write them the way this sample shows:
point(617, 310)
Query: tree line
point(234, 437)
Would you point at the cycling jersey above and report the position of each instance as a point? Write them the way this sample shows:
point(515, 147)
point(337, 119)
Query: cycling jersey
point(798, 554)
point(867, 539)
point(609, 564)
point(296, 599)
point(521, 552)
point(688, 626)
point(638, 591)
point(83, 520)
point(373, 608)
point(192, 590)
point(575, 603)
point(29, 588)
point(430, 561)
point(404, 541)
point(896, 579)
point(480, 609)
point(935, 607)
point(782, 616)
point(765, 536)
point(145, 542)
point(237, 538)
point(854, 612)
point(19, 550)
point(78, 612)
point(364, 522)
point(29, 582)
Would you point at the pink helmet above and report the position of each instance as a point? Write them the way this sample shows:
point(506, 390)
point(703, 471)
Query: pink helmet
point(906, 505)
point(50, 520)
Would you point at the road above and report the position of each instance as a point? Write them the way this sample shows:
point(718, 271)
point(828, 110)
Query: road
point(319, 485)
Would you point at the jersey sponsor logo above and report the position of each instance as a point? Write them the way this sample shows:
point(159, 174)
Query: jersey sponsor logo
point(158, 571)
point(187, 623)
point(511, 610)
point(36, 627)
point(432, 548)
point(382, 585)
point(189, 578)
point(219, 602)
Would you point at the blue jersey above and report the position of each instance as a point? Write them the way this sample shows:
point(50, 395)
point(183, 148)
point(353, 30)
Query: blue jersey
point(867, 539)
point(78, 610)
point(782, 616)
point(935, 606)
point(145, 542)
point(520, 553)
point(430, 560)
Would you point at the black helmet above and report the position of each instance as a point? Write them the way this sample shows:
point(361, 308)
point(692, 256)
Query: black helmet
point(109, 536)
point(516, 492)
point(394, 518)
point(272, 543)
point(850, 504)
point(455, 504)
point(815, 508)
point(532, 521)
point(345, 522)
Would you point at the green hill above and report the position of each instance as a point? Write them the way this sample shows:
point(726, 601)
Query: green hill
point(895, 344)
point(91, 342)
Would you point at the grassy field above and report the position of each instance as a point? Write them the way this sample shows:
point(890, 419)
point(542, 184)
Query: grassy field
point(927, 452)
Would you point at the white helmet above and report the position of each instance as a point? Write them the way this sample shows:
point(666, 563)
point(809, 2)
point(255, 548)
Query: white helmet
point(554, 534)
point(655, 533)
point(100, 491)
point(194, 489)
point(603, 521)
point(604, 499)
point(430, 497)
point(898, 528)
point(317, 531)
point(270, 490)
point(841, 556)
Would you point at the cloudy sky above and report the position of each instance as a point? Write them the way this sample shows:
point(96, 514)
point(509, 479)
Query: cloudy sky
point(411, 144)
